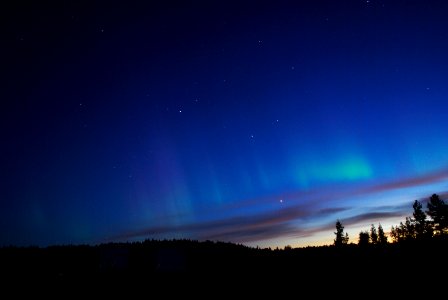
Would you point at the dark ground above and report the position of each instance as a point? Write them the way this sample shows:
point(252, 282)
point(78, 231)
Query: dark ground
point(183, 260)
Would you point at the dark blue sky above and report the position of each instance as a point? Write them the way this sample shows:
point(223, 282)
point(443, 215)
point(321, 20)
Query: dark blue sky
point(246, 121)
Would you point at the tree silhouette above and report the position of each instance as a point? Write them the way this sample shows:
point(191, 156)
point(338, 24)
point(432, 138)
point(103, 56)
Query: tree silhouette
point(340, 239)
point(382, 238)
point(364, 239)
point(395, 233)
point(438, 211)
point(373, 235)
point(409, 230)
point(421, 227)
point(403, 232)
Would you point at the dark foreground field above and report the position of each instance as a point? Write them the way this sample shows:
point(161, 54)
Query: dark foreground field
point(186, 260)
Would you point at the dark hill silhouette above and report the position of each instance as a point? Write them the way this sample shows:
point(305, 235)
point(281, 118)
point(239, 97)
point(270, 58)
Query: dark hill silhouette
point(179, 257)
point(416, 251)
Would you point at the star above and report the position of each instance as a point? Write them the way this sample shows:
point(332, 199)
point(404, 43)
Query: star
point(281, 200)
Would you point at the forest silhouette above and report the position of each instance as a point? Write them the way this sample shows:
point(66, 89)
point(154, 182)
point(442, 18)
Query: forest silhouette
point(422, 236)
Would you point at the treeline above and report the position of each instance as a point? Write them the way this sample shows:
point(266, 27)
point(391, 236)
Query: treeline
point(422, 226)
point(154, 258)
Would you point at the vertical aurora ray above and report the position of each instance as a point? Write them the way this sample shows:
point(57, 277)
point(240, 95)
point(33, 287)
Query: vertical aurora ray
point(170, 195)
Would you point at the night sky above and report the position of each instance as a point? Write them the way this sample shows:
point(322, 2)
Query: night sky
point(253, 122)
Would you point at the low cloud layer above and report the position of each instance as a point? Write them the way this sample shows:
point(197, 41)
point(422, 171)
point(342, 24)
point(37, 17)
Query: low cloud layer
point(291, 220)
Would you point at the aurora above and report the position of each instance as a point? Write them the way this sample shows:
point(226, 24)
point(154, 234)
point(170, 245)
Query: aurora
point(259, 124)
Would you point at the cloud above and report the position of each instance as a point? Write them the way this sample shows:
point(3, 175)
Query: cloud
point(270, 225)
point(294, 218)
point(363, 218)
point(429, 178)
point(371, 216)
point(252, 234)
point(332, 210)
point(267, 225)
point(322, 194)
